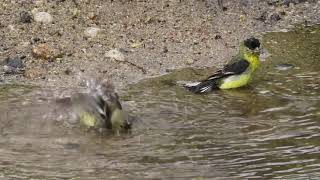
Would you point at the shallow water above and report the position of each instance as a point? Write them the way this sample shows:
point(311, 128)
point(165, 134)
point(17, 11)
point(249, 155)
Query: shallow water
point(269, 130)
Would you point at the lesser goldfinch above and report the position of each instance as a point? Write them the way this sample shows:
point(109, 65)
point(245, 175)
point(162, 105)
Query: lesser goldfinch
point(100, 108)
point(236, 73)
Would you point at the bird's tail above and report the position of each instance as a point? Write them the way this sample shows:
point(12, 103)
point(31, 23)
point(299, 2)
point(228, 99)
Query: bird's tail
point(201, 87)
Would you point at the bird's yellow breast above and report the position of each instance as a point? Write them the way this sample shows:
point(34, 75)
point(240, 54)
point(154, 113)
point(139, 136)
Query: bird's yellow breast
point(243, 79)
point(88, 119)
point(235, 81)
point(253, 59)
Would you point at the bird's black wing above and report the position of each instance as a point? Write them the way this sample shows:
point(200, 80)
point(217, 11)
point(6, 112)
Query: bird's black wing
point(237, 67)
point(212, 82)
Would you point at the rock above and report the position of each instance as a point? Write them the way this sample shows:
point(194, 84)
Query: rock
point(165, 49)
point(263, 16)
point(217, 36)
point(42, 51)
point(13, 65)
point(75, 12)
point(136, 44)
point(275, 17)
point(272, 2)
point(92, 32)
point(39, 2)
point(115, 54)
point(35, 40)
point(288, 2)
point(67, 71)
point(283, 13)
point(189, 61)
point(242, 18)
point(148, 20)
point(43, 17)
point(15, 62)
point(223, 8)
point(9, 70)
point(11, 27)
point(25, 17)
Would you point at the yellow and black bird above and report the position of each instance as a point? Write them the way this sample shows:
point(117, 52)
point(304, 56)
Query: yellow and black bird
point(100, 108)
point(236, 73)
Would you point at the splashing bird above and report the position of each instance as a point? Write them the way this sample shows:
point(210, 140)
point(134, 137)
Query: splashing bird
point(100, 107)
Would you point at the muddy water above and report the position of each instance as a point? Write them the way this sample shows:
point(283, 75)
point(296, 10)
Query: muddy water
point(269, 130)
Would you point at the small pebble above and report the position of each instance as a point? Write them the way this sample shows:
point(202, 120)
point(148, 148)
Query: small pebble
point(275, 17)
point(43, 17)
point(10, 70)
point(15, 62)
point(263, 17)
point(11, 27)
point(39, 2)
point(67, 71)
point(283, 13)
point(75, 12)
point(272, 2)
point(13, 65)
point(136, 44)
point(35, 40)
point(25, 17)
point(42, 51)
point(92, 32)
point(288, 2)
point(242, 18)
point(217, 36)
point(190, 61)
point(165, 50)
point(115, 54)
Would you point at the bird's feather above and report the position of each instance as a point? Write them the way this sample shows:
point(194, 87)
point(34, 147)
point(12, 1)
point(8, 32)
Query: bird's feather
point(237, 67)
point(201, 87)
point(213, 81)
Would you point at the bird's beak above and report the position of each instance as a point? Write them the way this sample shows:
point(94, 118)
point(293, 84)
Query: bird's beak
point(264, 54)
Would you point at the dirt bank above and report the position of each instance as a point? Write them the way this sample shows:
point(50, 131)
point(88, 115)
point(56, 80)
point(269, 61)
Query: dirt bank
point(149, 38)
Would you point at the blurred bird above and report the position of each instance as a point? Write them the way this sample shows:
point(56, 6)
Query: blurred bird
point(100, 108)
point(236, 73)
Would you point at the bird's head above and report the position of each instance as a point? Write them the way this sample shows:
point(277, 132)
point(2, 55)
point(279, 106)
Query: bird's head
point(251, 46)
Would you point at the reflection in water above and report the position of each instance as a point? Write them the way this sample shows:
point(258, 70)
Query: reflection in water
point(268, 130)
